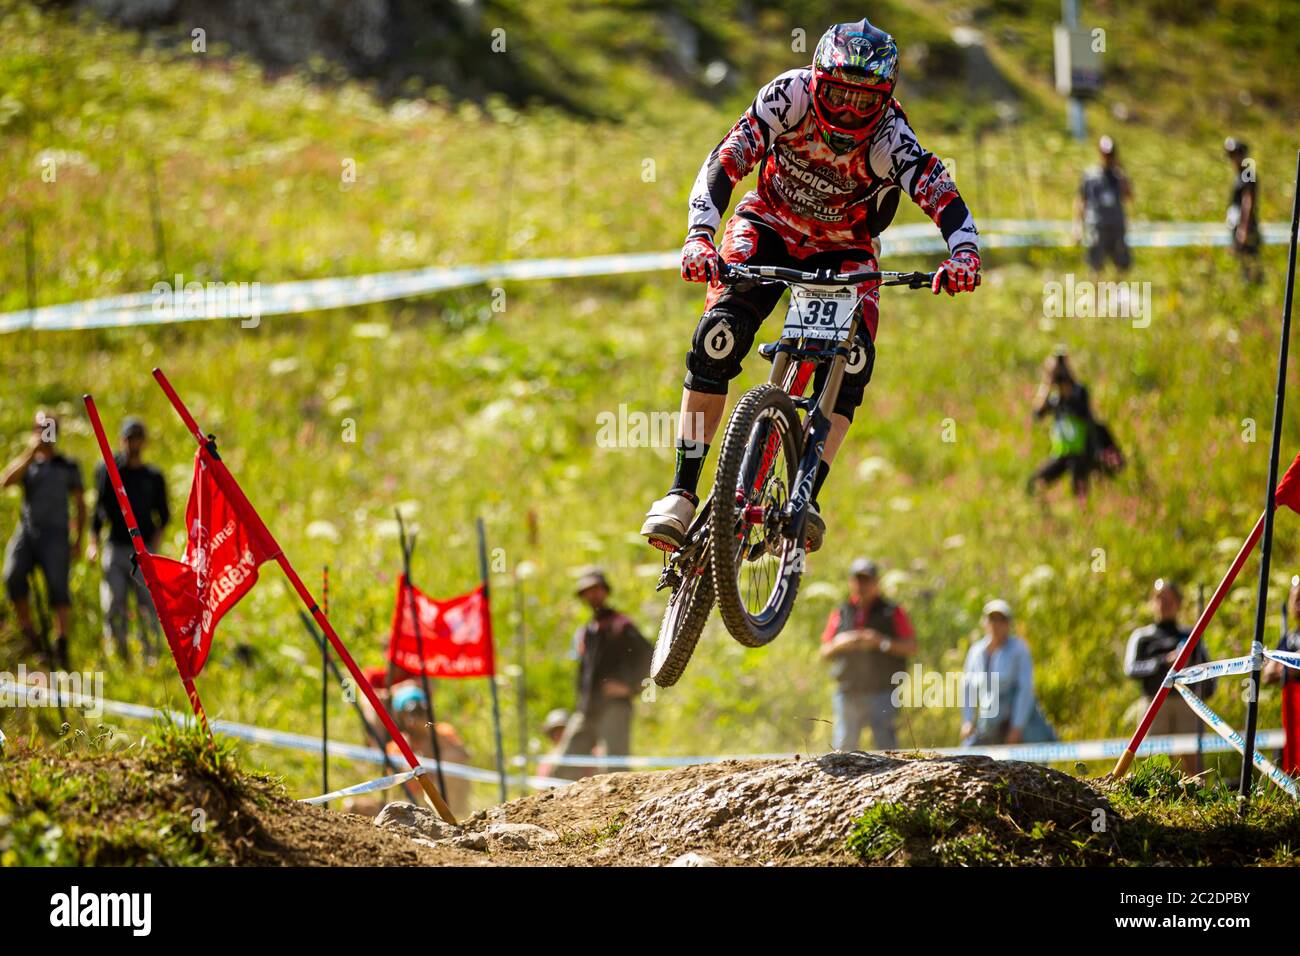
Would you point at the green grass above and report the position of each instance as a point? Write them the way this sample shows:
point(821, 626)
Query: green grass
point(460, 411)
point(1156, 816)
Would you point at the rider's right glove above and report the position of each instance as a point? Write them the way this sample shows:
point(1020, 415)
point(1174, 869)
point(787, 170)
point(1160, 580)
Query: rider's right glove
point(699, 258)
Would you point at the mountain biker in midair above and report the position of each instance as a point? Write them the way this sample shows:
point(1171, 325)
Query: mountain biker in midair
point(834, 149)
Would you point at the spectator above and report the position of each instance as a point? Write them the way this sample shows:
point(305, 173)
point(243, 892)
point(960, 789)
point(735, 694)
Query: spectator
point(1277, 673)
point(410, 711)
point(553, 728)
point(146, 490)
point(1000, 707)
point(1066, 400)
point(613, 661)
point(1243, 209)
point(866, 641)
point(1151, 650)
point(49, 480)
point(1099, 209)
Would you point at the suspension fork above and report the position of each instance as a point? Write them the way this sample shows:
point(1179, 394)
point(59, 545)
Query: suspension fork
point(794, 382)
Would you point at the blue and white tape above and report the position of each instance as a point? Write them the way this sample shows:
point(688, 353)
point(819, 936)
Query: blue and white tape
point(1233, 738)
point(370, 786)
point(168, 304)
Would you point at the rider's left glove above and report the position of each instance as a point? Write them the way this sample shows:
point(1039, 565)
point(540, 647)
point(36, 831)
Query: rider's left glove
point(961, 273)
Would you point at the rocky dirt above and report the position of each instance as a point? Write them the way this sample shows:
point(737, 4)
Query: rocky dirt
point(778, 812)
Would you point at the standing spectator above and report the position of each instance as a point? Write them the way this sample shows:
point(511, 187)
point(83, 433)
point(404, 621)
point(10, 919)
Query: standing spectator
point(49, 480)
point(1151, 651)
point(613, 661)
point(1243, 209)
point(1066, 400)
point(1099, 209)
point(553, 727)
point(999, 706)
point(1277, 673)
point(146, 490)
point(866, 641)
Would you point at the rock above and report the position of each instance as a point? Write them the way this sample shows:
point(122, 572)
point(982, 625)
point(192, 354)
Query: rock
point(521, 836)
point(470, 841)
point(694, 859)
point(415, 820)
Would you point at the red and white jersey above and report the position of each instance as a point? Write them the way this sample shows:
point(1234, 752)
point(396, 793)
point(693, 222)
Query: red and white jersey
point(816, 198)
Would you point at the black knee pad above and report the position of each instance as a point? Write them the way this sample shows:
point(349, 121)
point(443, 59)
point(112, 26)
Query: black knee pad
point(722, 340)
point(857, 373)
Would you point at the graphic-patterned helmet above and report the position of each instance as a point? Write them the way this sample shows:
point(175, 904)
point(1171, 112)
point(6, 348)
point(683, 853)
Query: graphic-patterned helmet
point(854, 72)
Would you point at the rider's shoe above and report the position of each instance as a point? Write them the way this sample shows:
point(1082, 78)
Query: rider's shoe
point(814, 528)
point(668, 519)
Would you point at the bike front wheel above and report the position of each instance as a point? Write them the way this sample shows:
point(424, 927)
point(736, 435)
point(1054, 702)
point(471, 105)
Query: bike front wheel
point(757, 560)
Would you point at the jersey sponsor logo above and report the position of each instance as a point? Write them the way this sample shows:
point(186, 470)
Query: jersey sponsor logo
point(778, 100)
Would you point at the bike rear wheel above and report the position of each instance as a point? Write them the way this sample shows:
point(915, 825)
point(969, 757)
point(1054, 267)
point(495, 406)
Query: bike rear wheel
point(683, 621)
point(757, 564)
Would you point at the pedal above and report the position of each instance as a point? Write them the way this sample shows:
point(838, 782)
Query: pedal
point(666, 546)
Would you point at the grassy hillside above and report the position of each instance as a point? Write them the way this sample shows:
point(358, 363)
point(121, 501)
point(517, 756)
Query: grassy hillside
point(462, 411)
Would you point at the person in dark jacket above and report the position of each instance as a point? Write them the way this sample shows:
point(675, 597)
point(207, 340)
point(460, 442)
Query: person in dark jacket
point(1063, 397)
point(1099, 209)
point(146, 490)
point(1150, 652)
point(613, 660)
point(49, 481)
point(1243, 209)
point(866, 642)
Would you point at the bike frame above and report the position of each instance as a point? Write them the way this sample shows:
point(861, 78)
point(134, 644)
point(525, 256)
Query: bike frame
point(793, 365)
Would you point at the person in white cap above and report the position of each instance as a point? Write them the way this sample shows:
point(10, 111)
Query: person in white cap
point(999, 705)
point(1099, 210)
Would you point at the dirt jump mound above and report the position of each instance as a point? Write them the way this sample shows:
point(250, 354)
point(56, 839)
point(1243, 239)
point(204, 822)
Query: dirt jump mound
point(840, 808)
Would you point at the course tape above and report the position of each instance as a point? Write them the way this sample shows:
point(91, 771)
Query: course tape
point(1213, 670)
point(1216, 723)
point(166, 304)
point(370, 786)
point(1058, 752)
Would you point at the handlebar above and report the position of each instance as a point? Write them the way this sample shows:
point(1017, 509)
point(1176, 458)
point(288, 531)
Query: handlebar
point(732, 272)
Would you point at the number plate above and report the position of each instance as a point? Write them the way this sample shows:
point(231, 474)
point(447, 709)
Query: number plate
point(819, 313)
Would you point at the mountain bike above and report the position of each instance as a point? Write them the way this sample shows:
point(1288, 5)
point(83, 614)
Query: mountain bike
point(745, 548)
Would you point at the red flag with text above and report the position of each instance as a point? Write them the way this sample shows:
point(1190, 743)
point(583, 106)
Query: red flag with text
point(222, 555)
point(456, 634)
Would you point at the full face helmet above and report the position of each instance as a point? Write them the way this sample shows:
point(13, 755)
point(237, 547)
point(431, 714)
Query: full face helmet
point(854, 72)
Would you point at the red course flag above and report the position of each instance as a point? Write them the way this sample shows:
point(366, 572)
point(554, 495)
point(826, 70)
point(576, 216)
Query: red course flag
point(456, 634)
point(221, 560)
point(1288, 489)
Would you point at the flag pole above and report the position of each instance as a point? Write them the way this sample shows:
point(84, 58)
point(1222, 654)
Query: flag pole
point(144, 559)
point(231, 487)
point(492, 678)
point(325, 689)
point(366, 726)
point(522, 687)
point(1261, 608)
point(407, 548)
